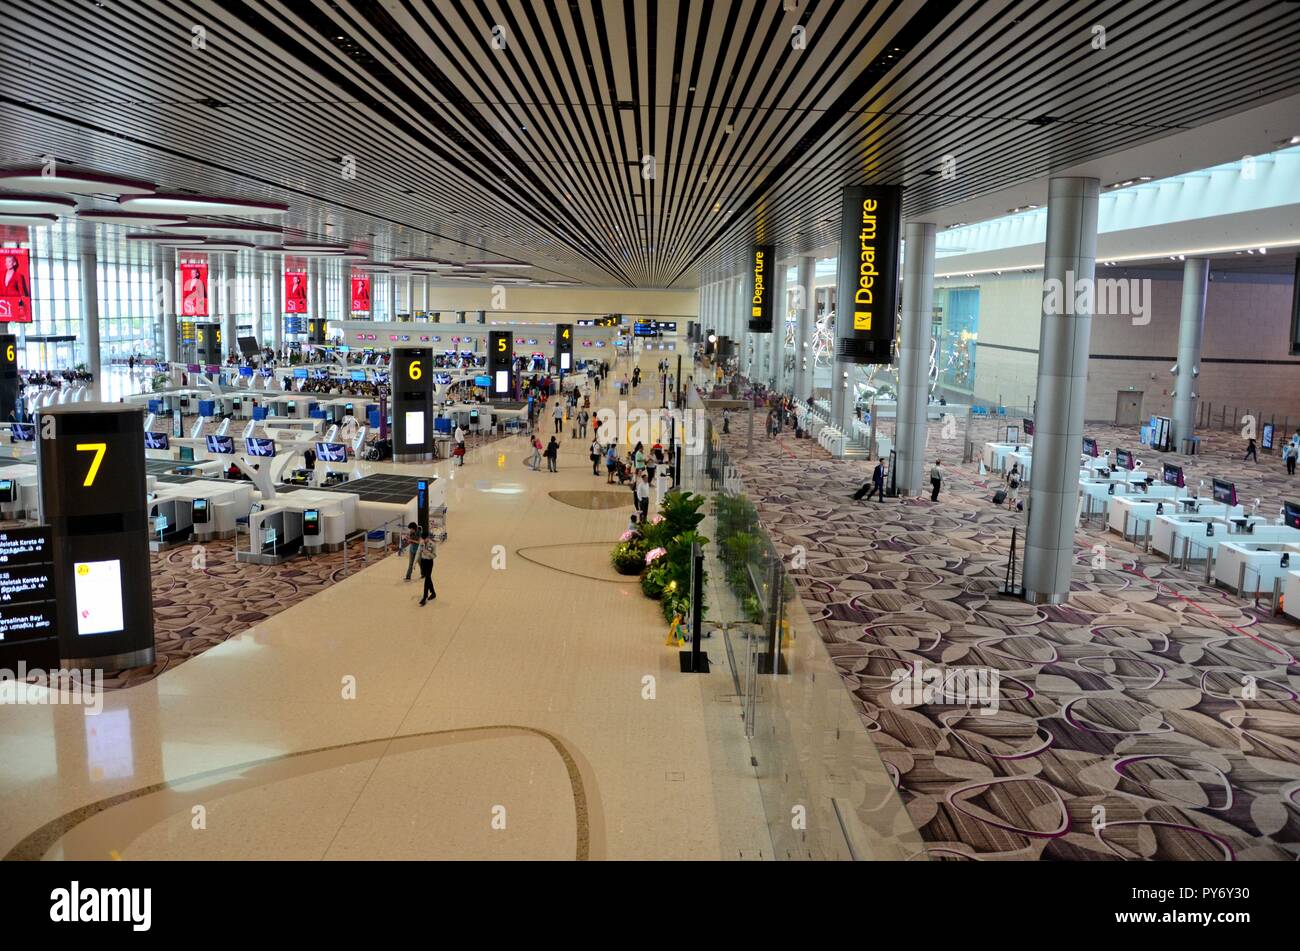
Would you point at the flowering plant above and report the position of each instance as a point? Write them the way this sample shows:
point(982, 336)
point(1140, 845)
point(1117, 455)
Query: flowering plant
point(654, 553)
point(656, 520)
point(626, 536)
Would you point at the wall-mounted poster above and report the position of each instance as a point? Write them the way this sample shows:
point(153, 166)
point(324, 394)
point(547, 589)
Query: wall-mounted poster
point(360, 293)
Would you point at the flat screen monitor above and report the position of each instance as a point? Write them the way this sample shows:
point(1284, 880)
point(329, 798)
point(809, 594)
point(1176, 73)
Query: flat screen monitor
point(442, 379)
point(415, 427)
point(1291, 514)
point(199, 511)
point(24, 432)
point(1013, 435)
point(311, 522)
point(8, 491)
point(157, 441)
point(97, 587)
point(1090, 447)
point(300, 373)
point(187, 453)
point(245, 371)
point(1266, 436)
point(331, 452)
point(1124, 459)
point(267, 371)
point(1225, 493)
point(503, 381)
point(221, 445)
point(482, 381)
point(357, 375)
point(1172, 475)
point(566, 361)
point(259, 446)
point(442, 425)
point(1028, 426)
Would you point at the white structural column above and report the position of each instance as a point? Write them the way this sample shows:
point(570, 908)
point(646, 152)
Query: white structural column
point(1191, 332)
point(1069, 265)
point(914, 356)
point(87, 251)
point(229, 298)
point(165, 294)
point(739, 314)
point(390, 286)
point(806, 313)
point(277, 309)
point(320, 310)
point(410, 294)
point(256, 276)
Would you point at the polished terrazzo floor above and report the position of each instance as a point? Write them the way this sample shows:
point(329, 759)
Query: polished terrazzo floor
point(1121, 730)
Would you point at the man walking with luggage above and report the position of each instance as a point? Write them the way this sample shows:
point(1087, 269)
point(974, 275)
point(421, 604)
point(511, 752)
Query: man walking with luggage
point(876, 486)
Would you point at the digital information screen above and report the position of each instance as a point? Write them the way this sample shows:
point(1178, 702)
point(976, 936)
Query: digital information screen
point(415, 428)
point(28, 622)
point(502, 382)
point(1224, 492)
point(156, 441)
point(331, 452)
point(98, 591)
point(221, 445)
point(260, 446)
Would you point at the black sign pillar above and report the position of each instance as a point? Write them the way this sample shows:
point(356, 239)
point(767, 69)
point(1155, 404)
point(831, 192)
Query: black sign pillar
point(316, 330)
point(412, 384)
point(564, 348)
point(501, 357)
point(91, 470)
point(8, 378)
point(207, 343)
point(866, 308)
point(760, 289)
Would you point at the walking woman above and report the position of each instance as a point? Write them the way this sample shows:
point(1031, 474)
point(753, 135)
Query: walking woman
point(428, 552)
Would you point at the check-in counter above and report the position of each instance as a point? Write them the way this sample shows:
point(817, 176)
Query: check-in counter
point(1251, 567)
point(1198, 533)
point(1024, 458)
point(1291, 595)
point(227, 501)
point(995, 454)
point(277, 530)
point(1130, 513)
point(20, 491)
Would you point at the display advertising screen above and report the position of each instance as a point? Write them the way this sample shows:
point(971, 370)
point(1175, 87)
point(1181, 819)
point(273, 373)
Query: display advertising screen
point(311, 522)
point(331, 452)
point(503, 382)
point(199, 511)
point(360, 293)
point(259, 446)
point(1266, 436)
point(1090, 447)
point(1225, 493)
point(194, 289)
point(415, 435)
point(157, 441)
point(1291, 514)
point(1172, 475)
point(23, 432)
point(295, 293)
point(222, 445)
point(300, 373)
point(357, 375)
point(482, 381)
point(8, 491)
point(15, 286)
point(1124, 459)
point(98, 592)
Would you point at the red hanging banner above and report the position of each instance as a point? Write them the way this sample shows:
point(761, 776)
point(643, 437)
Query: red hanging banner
point(360, 293)
point(295, 292)
point(194, 287)
point(15, 286)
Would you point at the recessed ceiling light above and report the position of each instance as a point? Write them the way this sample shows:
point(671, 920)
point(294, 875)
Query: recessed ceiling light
point(68, 180)
point(28, 204)
point(178, 204)
point(225, 229)
point(32, 221)
point(128, 218)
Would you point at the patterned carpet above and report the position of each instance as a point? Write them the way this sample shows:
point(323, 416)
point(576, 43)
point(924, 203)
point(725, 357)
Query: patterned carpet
point(1121, 730)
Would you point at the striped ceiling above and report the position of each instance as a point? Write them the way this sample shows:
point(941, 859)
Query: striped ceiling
point(537, 150)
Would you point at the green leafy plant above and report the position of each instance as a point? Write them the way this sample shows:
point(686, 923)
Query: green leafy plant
point(628, 558)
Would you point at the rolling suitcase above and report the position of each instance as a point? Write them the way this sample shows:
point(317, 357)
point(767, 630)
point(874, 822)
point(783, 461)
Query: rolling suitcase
point(1000, 497)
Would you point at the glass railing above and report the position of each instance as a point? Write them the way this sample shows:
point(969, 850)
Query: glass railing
point(826, 792)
